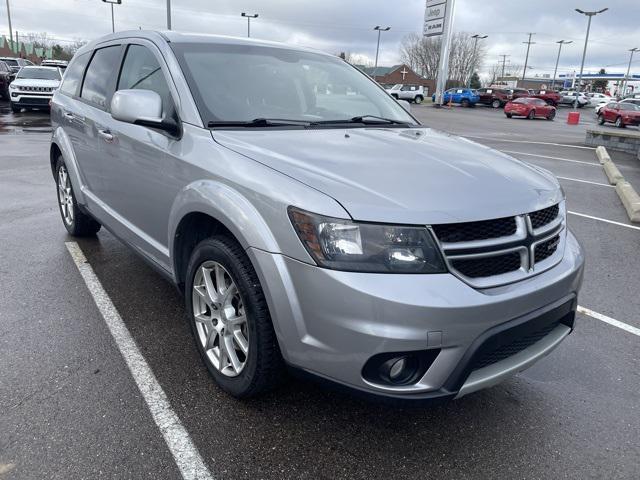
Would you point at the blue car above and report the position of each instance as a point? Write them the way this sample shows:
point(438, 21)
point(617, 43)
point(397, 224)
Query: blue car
point(464, 96)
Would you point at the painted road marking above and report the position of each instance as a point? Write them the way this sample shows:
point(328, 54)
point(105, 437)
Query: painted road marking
point(609, 320)
point(593, 164)
point(184, 452)
point(604, 220)
point(587, 181)
point(528, 141)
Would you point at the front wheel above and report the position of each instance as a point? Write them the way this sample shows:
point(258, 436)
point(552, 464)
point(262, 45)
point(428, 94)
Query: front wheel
point(230, 319)
point(600, 119)
point(496, 104)
point(508, 115)
point(620, 122)
point(15, 108)
point(552, 115)
point(77, 223)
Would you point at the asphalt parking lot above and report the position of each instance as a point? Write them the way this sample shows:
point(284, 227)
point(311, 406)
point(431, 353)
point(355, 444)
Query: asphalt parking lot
point(69, 407)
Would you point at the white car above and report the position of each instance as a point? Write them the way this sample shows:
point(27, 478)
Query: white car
point(33, 87)
point(569, 98)
point(410, 93)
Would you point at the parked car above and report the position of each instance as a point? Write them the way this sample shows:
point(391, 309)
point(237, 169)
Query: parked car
point(410, 93)
point(61, 64)
point(295, 221)
point(519, 93)
point(549, 96)
point(6, 77)
point(530, 108)
point(569, 98)
point(15, 64)
point(464, 96)
point(496, 97)
point(634, 101)
point(620, 113)
point(33, 87)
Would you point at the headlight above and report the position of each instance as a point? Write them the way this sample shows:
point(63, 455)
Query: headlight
point(341, 244)
point(12, 86)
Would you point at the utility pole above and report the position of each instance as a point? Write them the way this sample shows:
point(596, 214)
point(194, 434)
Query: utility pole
point(590, 15)
point(475, 37)
point(380, 30)
point(249, 17)
point(10, 31)
point(443, 67)
point(555, 70)
point(504, 61)
point(168, 14)
point(112, 3)
point(526, 59)
point(626, 77)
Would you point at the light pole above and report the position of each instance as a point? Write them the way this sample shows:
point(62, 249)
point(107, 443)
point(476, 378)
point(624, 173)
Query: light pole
point(555, 70)
point(526, 59)
point(10, 30)
point(380, 30)
point(168, 14)
point(112, 3)
point(249, 17)
point(584, 52)
point(626, 77)
point(475, 37)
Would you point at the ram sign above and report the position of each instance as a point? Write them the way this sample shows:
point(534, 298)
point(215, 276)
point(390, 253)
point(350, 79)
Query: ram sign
point(434, 17)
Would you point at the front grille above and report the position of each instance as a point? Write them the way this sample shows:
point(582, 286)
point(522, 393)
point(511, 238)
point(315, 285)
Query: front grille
point(544, 217)
point(488, 266)
point(516, 346)
point(470, 231)
point(547, 248)
point(36, 89)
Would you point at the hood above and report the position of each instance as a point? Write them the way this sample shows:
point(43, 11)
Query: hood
point(34, 82)
point(412, 176)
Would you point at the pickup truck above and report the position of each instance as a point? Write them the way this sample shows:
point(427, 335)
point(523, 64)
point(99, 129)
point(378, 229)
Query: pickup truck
point(549, 96)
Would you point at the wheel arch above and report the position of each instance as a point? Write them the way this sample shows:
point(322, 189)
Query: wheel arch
point(61, 146)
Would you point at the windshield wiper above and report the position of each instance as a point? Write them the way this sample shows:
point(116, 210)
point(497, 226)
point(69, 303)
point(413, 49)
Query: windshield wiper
point(365, 119)
point(258, 122)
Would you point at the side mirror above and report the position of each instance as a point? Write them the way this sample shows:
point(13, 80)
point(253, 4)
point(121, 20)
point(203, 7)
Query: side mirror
point(141, 107)
point(406, 105)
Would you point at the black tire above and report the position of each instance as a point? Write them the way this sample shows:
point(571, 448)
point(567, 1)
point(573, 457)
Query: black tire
point(601, 119)
point(265, 368)
point(496, 103)
point(418, 100)
point(81, 224)
point(551, 116)
point(532, 115)
point(620, 123)
point(551, 103)
point(509, 115)
point(15, 108)
point(394, 96)
point(465, 103)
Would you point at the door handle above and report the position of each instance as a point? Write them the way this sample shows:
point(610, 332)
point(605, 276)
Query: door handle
point(106, 135)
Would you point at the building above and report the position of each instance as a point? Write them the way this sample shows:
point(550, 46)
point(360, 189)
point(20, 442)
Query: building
point(23, 50)
point(399, 74)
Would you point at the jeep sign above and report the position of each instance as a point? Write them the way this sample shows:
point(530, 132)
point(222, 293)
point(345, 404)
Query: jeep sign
point(434, 17)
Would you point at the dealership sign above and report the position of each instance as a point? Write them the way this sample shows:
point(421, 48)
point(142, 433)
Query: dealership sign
point(434, 17)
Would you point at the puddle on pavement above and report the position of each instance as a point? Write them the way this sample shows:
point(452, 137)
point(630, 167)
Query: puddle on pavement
point(28, 121)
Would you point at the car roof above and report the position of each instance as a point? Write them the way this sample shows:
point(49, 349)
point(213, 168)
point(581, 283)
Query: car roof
point(31, 67)
point(159, 37)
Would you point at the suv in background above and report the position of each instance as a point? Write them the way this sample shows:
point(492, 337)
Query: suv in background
point(61, 64)
point(411, 93)
point(33, 87)
point(496, 97)
point(6, 77)
point(464, 96)
point(15, 64)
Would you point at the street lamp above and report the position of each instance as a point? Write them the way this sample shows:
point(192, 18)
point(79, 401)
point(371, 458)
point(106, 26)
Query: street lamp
point(626, 77)
point(584, 52)
point(475, 37)
point(112, 3)
point(555, 70)
point(380, 30)
point(249, 17)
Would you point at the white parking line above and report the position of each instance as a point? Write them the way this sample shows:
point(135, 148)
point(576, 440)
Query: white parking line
point(587, 181)
point(184, 452)
point(609, 320)
point(528, 141)
point(593, 164)
point(633, 227)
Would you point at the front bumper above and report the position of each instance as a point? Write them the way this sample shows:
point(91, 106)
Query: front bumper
point(331, 323)
point(30, 100)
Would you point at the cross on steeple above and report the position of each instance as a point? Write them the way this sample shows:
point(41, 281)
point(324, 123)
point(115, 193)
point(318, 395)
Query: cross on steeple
point(403, 72)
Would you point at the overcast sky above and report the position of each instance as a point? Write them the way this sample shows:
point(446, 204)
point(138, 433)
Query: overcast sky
point(347, 25)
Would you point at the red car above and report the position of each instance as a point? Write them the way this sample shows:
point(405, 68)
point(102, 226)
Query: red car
point(622, 114)
point(529, 107)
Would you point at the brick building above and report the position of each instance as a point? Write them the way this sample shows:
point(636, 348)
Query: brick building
point(399, 74)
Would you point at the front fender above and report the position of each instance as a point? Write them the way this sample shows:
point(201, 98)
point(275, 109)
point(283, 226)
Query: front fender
point(60, 139)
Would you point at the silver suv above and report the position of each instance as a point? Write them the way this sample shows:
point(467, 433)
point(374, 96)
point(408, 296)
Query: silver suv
point(311, 222)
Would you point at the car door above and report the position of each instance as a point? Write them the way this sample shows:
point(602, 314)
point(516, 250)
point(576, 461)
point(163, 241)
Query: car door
point(610, 112)
point(485, 95)
point(141, 175)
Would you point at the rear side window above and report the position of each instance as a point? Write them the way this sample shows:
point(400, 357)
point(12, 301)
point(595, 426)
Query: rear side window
point(141, 70)
point(73, 75)
point(3, 67)
point(98, 78)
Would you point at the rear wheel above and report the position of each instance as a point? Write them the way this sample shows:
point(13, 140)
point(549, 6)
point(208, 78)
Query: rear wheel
point(496, 104)
point(532, 115)
point(230, 319)
point(620, 122)
point(600, 119)
point(418, 99)
point(465, 103)
point(77, 223)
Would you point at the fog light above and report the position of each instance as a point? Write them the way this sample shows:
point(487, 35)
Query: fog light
point(14, 94)
point(397, 368)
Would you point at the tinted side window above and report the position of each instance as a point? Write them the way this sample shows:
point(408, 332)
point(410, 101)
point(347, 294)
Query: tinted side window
point(95, 88)
point(141, 70)
point(73, 75)
point(3, 67)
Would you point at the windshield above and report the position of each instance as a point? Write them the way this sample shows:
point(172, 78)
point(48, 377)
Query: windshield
point(241, 83)
point(39, 73)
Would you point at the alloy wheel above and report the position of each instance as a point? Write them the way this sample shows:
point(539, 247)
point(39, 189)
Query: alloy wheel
point(221, 323)
point(65, 196)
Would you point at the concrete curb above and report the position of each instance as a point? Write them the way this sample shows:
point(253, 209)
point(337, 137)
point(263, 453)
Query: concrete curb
point(602, 154)
point(612, 172)
point(630, 200)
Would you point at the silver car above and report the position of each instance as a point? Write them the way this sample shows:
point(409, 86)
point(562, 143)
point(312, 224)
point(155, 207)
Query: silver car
point(312, 223)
